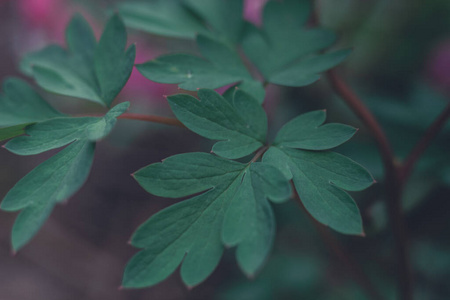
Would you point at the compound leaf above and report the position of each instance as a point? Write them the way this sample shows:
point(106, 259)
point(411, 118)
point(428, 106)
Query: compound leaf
point(192, 230)
point(59, 132)
point(87, 70)
point(284, 51)
point(221, 66)
point(53, 181)
point(321, 177)
point(240, 126)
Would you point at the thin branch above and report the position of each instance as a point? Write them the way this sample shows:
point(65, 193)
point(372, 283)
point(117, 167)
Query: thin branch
point(353, 267)
point(151, 118)
point(393, 183)
point(424, 142)
point(259, 153)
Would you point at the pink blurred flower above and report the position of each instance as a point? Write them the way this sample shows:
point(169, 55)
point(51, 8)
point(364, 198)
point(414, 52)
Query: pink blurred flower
point(253, 10)
point(438, 66)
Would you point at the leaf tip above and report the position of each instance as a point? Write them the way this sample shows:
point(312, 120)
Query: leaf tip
point(362, 234)
point(130, 242)
point(13, 252)
point(133, 174)
point(120, 288)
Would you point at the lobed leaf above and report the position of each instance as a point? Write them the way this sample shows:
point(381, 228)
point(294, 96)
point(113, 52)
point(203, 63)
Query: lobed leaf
point(53, 181)
point(222, 66)
point(87, 70)
point(59, 132)
point(321, 177)
point(186, 19)
point(307, 132)
point(240, 126)
point(194, 230)
point(284, 51)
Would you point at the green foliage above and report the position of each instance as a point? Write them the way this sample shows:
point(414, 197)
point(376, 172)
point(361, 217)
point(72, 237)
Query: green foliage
point(21, 106)
point(228, 201)
point(223, 66)
point(240, 125)
point(186, 18)
point(320, 177)
point(58, 178)
point(284, 51)
point(87, 69)
point(232, 208)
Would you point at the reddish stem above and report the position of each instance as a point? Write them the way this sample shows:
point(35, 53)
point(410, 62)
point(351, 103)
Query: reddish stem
point(423, 143)
point(151, 118)
point(393, 183)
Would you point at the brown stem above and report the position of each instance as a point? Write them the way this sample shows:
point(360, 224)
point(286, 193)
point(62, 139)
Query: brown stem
point(424, 142)
point(259, 153)
point(353, 267)
point(151, 118)
point(394, 186)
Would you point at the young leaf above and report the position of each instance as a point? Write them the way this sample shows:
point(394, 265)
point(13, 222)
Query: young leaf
point(21, 106)
point(193, 229)
point(222, 66)
point(240, 126)
point(87, 70)
point(59, 132)
point(53, 181)
point(284, 51)
point(320, 177)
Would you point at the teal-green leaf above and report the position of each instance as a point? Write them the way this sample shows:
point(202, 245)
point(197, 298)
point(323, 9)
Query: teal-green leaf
point(221, 66)
point(240, 126)
point(164, 17)
point(87, 70)
point(320, 178)
point(284, 51)
point(112, 66)
point(223, 16)
point(53, 181)
point(13, 131)
point(186, 18)
point(20, 104)
point(59, 132)
point(307, 132)
point(191, 231)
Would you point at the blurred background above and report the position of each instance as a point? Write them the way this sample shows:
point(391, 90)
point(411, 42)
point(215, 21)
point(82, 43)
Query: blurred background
point(401, 69)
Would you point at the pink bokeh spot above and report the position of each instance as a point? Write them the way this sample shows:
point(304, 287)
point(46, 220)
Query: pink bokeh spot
point(253, 11)
point(438, 66)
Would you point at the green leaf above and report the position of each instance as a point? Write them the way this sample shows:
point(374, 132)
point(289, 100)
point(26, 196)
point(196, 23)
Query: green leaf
point(284, 51)
point(192, 230)
point(305, 132)
point(163, 17)
point(13, 131)
point(240, 126)
point(53, 181)
point(20, 104)
point(221, 66)
point(59, 132)
point(87, 70)
point(320, 178)
point(224, 17)
point(186, 19)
